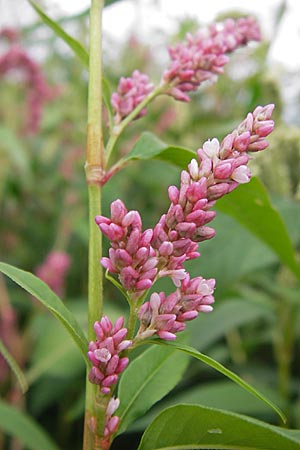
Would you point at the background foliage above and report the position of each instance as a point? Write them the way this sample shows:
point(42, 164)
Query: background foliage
point(253, 330)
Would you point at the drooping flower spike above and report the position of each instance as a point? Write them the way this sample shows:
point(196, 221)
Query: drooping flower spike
point(202, 56)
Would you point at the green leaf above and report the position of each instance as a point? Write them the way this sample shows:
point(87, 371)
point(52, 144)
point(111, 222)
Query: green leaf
point(187, 427)
point(76, 46)
point(14, 367)
point(146, 380)
point(251, 206)
point(220, 368)
point(228, 315)
point(17, 424)
point(219, 394)
point(34, 286)
point(149, 146)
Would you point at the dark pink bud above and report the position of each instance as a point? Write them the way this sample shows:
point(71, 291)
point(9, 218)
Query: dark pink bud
point(113, 232)
point(110, 380)
point(178, 94)
point(242, 141)
point(112, 365)
point(166, 248)
point(112, 424)
point(146, 237)
point(217, 191)
point(118, 211)
point(124, 345)
point(107, 264)
point(119, 336)
point(204, 233)
point(118, 325)
point(186, 229)
point(188, 315)
point(259, 145)
point(132, 218)
point(264, 128)
point(223, 170)
point(123, 363)
point(102, 219)
point(123, 256)
point(144, 284)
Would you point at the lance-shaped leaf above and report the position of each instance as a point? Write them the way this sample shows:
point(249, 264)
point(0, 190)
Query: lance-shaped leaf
point(187, 427)
point(76, 46)
point(14, 367)
point(149, 146)
point(220, 368)
point(19, 425)
point(36, 287)
point(251, 206)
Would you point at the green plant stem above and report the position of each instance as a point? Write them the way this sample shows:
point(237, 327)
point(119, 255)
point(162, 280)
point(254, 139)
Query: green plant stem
point(94, 412)
point(118, 129)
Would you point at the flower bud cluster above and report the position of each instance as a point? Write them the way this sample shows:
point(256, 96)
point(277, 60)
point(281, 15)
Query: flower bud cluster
point(130, 93)
point(104, 353)
point(130, 255)
point(166, 315)
point(54, 270)
point(38, 89)
point(203, 55)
